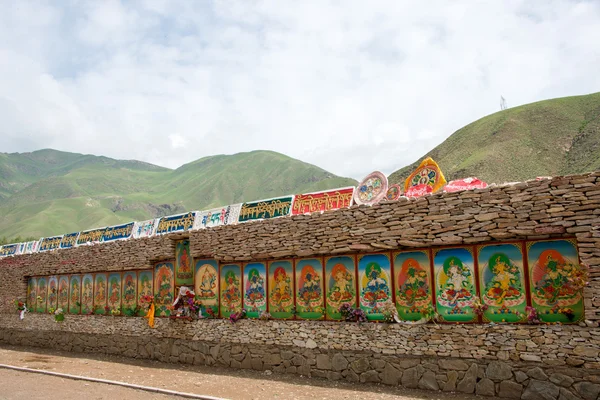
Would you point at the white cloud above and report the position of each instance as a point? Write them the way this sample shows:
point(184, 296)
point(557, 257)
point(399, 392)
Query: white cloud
point(350, 86)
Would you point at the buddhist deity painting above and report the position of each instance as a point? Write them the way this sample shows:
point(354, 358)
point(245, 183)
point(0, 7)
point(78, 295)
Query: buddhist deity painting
point(413, 284)
point(553, 272)
point(207, 287)
point(310, 289)
point(52, 292)
point(129, 293)
point(184, 274)
point(502, 283)
point(100, 290)
point(281, 289)
point(114, 293)
point(340, 273)
point(42, 294)
point(63, 292)
point(231, 289)
point(375, 283)
point(455, 284)
point(74, 294)
point(145, 285)
point(31, 293)
point(87, 294)
point(164, 288)
point(255, 290)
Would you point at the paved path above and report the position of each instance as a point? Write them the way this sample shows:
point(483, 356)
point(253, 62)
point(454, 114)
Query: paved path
point(209, 381)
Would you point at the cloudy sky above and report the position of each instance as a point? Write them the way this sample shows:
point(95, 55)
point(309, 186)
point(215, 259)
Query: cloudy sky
point(351, 86)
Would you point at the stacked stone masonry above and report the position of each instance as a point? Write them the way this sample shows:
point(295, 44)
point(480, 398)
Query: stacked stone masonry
point(518, 361)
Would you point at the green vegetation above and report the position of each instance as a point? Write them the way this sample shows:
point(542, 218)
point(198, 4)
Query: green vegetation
point(552, 137)
point(49, 192)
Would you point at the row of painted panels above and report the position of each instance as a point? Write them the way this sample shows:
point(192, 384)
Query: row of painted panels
point(506, 277)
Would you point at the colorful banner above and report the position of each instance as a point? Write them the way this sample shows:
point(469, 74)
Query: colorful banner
point(502, 282)
point(9, 250)
point(145, 284)
point(427, 173)
point(255, 289)
point(50, 243)
point(372, 189)
point(265, 209)
point(143, 229)
point(164, 288)
point(21, 248)
point(129, 293)
point(231, 289)
point(340, 275)
point(206, 287)
point(118, 232)
point(63, 293)
point(90, 236)
point(87, 294)
point(464, 184)
point(176, 223)
point(281, 289)
point(310, 289)
point(100, 291)
point(31, 247)
point(75, 294)
point(184, 275)
point(412, 283)
point(322, 201)
point(418, 190)
point(375, 274)
point(69, 240)
point(217, 216)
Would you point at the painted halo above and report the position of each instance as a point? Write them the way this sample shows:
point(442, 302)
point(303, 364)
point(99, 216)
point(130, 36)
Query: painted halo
point(393, 193)
point(372, 189)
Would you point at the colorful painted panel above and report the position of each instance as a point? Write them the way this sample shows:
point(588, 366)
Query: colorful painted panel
point(322, 201)
point(164, 288)
point(207, 287)
point(90, 236)
point(87, 294)
point(412, 284)
point(340, 275)
point(502, 282)
point(184, 275)
point(129, 293)
point(265, 209)
point(551, 265)
point(118, 232)
point(31, 293)
point(52, 292)
point(145, 288)
point(218, 216)
point(455, 284)
point(8, 250)
point(100, 290)
point(427, 173)
point(75, 294)
point(69, 240)
point(231, 289)
point(114, 293)
point(175, 223)
point(375, 284)
point(281, 289)
point(255, 290)
point(42, 297)
point(144, 228)
point(63, 293)
point(50, 243)
point(310, 289)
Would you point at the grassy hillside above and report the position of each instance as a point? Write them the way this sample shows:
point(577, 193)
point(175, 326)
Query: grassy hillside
point(552, 137)
point(50, 192)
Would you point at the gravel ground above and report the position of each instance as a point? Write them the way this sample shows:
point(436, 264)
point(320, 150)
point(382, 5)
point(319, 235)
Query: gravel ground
point(209, 381)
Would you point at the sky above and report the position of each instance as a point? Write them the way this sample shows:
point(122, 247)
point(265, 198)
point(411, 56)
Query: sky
point(350, 86)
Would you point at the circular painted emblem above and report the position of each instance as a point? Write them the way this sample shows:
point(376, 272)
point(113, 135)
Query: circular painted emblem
point(393, 193)
point(372, 189)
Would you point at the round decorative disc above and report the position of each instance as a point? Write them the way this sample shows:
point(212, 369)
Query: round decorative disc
point(372, 189)
point(393, 193)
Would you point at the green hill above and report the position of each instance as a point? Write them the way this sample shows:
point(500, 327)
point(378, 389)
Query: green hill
point(552, 137)
point(49, 192)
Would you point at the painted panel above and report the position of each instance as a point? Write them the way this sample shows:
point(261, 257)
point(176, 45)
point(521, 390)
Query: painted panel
point(175, 223)
point(118, 232)
point(310, 289)
point(129, 293)
point(100, 290)
point(231, 289)
point(281, 289)
point(455, 284)
point(412, 284)
point(551, 265)
point(264, 209)
point(114, 293)
point(184, 275)
point(375, 284)
point(52, 292)
point(42, 294)
point(87, 294)
point(340, 273)
point(207, 286)
point(322, 201)
point(31, 293)
point(255, 290)
point(502, 282)
point(63, 293)
point(75, 294)
point(164, 288)
point(145, 288)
